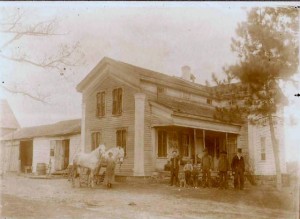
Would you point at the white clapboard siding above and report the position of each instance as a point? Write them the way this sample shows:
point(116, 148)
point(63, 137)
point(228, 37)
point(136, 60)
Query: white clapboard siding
point(267, 166)
point(74, 146)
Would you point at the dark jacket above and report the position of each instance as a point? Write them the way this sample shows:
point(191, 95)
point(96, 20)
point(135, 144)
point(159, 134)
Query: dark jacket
point(223, 163)
point(238, 164)
point(206, 162)
point(174, 163)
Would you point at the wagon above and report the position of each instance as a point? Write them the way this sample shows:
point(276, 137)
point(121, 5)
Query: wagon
point(83, 176)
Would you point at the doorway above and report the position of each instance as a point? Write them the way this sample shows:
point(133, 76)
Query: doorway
point(26, 152)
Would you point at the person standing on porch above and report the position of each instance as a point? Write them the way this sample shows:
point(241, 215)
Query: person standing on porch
point(223, 167)
point(238, 169)
point(206, 168)
point(174, 168)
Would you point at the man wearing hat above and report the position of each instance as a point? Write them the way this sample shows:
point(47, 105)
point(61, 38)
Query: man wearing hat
point(206, 168)
point(223, 167)
point(174, 167)
point(238, 169)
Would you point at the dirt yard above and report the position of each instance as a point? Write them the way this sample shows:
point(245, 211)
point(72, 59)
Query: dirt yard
point(22, 197)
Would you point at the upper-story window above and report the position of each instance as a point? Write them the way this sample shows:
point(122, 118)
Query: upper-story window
point(160, 90)
point(101, 104)
point(117, 101)
point(209, 101)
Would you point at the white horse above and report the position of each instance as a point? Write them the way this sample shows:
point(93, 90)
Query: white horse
point(118, 156)
point(91, 161)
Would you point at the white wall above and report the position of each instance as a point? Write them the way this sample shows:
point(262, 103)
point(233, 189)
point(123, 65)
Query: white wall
point(267, 166)
point(41, 150)
point(75, 141)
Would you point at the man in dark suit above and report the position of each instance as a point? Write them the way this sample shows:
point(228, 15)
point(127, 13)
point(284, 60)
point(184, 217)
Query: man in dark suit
point(238, 169)
point(174, 167)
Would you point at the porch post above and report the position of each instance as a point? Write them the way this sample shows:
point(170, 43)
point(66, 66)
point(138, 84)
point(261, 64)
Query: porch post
point(203, 131)
point(195, 146)
point(139, 126)
point(226, 141)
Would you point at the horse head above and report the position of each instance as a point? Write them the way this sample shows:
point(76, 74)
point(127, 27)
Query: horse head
point(120, 155)
point(100, 149)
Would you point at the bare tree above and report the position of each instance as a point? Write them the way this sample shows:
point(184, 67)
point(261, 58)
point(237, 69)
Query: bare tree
point(13, 25)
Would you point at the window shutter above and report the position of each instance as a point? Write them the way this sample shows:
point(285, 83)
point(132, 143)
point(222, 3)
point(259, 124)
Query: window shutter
point(114, 102)
point(103, 104)
point(120, 100)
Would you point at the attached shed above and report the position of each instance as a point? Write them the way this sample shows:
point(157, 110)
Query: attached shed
point(55, 143)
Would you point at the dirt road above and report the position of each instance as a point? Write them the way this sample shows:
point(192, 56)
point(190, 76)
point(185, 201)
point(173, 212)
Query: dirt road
point(55, 198)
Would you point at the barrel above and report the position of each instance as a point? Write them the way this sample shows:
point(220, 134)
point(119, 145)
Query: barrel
point(41, 169)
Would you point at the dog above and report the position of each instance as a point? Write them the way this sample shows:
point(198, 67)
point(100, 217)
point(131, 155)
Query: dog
point(182, 181)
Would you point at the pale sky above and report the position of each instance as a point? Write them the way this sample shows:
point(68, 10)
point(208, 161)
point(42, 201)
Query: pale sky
point(158, 36)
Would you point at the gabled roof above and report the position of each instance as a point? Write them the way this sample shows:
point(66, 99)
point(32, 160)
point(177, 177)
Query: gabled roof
point(7, 117)
point(141, 74)
point(60, 128)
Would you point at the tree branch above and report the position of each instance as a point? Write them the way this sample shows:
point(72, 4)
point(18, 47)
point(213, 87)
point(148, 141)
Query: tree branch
point(38, 98)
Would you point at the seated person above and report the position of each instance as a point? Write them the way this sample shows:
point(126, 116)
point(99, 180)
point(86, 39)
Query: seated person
point(188, 168)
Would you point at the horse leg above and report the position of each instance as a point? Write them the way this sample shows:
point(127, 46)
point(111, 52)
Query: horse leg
point(92, 178)
point(74, 174)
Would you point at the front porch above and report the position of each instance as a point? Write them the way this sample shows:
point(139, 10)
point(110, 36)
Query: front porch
point(190, 142)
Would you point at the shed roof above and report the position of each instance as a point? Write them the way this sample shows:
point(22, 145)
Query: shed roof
point(7, 117)
point(186, 107)
point(56, 129)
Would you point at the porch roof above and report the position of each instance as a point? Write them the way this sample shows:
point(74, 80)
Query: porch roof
point(174, 113)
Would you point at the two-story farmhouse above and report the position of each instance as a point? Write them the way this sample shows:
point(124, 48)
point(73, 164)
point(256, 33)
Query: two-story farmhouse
point(150, 114)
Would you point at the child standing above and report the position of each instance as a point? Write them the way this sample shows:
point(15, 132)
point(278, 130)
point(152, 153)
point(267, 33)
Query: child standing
point(188, 168)
point(110, 170)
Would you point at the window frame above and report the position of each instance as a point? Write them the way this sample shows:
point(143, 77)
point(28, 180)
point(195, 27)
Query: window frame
point(189, 146)
point(126, 139)
point(92, 141)
point(121, 104)
point(97, 104)
point(263, 156)
point(166, 144)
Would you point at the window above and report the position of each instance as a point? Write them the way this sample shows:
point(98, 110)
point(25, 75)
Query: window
point(121, 140)
point(185, 145)
point(160, 90)
point(209, 101)
point(263, 148)
point(162, 144)
point(52, 146)
point(101, 104)
point(96, 140)
point(117, 101)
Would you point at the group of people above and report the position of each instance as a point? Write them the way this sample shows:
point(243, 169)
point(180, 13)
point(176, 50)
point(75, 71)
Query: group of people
point(192, 171)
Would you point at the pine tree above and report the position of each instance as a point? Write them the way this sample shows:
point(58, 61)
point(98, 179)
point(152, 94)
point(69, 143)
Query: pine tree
point(267, 49)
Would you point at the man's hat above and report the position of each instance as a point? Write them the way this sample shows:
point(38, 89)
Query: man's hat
point(239, 150)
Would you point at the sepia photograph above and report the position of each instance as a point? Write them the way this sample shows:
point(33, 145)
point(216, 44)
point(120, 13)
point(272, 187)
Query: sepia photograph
point(145, 110)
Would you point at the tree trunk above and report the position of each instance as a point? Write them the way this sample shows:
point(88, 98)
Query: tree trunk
point(276, 153)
